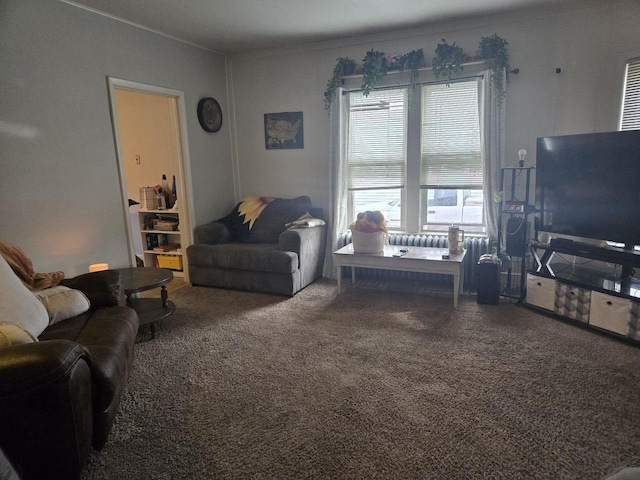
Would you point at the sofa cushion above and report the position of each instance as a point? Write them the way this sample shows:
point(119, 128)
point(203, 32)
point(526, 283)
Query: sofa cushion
point(63, 302)
point(262, 257)
point(241, 219)
point(14, 335)
point(101, 288)
point(18, 305)
point(263, 219)
point(275, 216)
point(108, 334)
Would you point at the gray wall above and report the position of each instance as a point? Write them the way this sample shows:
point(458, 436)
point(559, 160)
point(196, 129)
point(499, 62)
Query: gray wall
point(59, 193)
point(59, 189)
point(589, 43)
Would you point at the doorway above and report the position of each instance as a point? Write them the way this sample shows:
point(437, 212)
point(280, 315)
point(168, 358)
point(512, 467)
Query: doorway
point(150, 136)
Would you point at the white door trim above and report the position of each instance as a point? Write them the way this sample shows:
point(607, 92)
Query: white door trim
point(185, 187)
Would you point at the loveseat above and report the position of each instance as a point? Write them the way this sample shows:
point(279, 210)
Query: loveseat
point(61, 382)
point(265, 244)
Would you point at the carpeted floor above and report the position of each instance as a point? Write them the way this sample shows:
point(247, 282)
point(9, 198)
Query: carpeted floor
point(371, 384)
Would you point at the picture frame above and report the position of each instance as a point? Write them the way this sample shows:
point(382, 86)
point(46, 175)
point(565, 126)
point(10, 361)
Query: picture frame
point(284, 130)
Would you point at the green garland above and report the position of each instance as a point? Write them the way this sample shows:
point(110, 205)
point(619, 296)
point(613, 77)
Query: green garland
point(448, 62)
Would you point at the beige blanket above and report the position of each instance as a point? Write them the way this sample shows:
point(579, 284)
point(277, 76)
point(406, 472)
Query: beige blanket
point(23, 268)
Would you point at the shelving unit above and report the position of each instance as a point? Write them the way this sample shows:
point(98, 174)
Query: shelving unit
point(593, 297)
point(515, 211)
point(154, 237)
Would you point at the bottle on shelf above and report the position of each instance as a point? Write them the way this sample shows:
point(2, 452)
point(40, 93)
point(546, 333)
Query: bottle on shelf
point(160, 199)
point(174, 192)
point(166, 192)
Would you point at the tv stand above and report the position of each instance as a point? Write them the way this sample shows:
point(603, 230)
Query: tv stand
point(627, 258)
point(587, 295)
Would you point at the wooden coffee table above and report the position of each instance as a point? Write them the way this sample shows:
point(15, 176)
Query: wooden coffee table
point(140, 279)
point(416, 259)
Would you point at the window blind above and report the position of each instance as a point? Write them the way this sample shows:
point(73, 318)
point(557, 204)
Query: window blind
point(377, 139)
point(451, 148)
point(630, 118)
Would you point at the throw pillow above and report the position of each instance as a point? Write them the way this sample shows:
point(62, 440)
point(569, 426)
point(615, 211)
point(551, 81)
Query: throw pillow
point(101, 288)
point(63, 302)
point(14, 335)
point(18, 305)
point(275, 216)
point(242, 218)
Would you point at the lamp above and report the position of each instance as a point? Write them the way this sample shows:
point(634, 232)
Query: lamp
point(521, 153)
point(97, 267)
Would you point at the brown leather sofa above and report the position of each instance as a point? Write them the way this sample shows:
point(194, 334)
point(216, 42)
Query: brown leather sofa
point(59, 396)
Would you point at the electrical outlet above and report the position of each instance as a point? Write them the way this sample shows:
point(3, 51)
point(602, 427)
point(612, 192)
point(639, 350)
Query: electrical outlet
point(137, 159)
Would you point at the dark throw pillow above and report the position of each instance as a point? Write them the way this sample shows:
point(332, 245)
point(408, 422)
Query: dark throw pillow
point(274, 218)
point(101, 288)
point(241, 220)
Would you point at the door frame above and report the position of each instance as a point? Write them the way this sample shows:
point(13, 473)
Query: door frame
point(185, 190)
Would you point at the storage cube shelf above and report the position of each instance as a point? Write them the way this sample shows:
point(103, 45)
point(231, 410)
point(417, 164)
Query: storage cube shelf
point(611, 313)
point(162, 245)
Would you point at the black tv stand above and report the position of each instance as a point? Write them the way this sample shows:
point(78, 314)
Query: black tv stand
point(628, 258)
point(587, 293)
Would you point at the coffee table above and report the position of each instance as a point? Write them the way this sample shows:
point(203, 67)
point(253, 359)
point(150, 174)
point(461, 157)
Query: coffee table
point(140, 279)
point(416, 259)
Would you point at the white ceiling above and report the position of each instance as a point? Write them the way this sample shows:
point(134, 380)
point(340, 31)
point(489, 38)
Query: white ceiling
point(233, 26)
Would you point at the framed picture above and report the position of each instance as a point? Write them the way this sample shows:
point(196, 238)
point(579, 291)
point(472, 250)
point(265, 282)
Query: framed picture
point(283, 130)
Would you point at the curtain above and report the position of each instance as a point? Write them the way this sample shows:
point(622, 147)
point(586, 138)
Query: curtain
point(338, 221)
point(493, 151)
point(492, 134)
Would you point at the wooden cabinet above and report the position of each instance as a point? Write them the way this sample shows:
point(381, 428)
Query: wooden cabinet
point(162, 240)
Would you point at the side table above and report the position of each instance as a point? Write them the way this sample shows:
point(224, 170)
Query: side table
point(140, 279)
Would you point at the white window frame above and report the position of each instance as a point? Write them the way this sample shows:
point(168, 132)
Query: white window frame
point(413, 217)
point(630, 108)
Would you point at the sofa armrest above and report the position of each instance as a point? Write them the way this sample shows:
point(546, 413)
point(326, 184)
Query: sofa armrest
point(46, 407)
point(212, 233)
point(29, 367)
point(103, 289)
point(308, 243)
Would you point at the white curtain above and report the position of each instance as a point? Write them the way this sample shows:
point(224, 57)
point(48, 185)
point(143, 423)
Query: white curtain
point(492, 131)
point(338, 221)
point(493, 155)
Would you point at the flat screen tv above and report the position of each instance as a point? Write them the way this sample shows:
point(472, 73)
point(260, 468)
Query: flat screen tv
point(588, 186)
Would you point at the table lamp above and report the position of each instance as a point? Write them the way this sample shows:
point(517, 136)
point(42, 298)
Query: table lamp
point(97, 267)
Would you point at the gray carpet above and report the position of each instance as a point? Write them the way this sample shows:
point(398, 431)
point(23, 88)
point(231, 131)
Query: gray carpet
point(371, 384)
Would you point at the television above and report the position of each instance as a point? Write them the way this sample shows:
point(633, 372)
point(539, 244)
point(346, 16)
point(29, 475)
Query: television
point(588, 186)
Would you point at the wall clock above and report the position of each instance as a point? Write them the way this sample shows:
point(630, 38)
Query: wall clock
point(209, 114)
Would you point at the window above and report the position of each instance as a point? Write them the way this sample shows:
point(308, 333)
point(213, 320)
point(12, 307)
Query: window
point(419, 162)
point(377, 151)
point(630, 115)
point(451, 172)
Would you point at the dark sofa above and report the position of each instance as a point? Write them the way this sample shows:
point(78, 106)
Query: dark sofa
point(253, 249)
point(59, 396)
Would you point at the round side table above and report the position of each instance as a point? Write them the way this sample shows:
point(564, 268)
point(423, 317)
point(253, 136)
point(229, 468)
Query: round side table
point(140, 279)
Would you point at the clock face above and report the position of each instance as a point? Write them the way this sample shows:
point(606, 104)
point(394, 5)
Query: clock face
point(209, 115)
